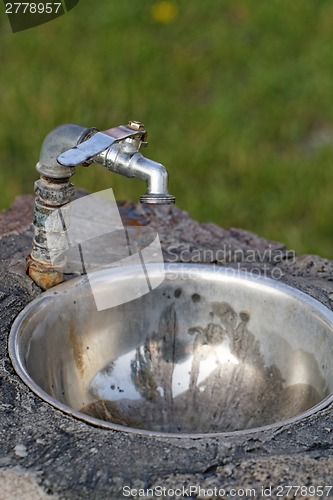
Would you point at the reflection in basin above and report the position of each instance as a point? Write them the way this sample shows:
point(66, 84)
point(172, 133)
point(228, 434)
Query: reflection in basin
point(208, 351)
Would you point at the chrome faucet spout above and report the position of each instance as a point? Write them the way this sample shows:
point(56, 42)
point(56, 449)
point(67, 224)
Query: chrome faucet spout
point(129, 163)
point(156, 177)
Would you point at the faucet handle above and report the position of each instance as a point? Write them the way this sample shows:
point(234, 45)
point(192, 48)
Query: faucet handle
point(87, 150)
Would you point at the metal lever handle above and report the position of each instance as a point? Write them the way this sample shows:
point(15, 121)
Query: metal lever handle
point(96, 144)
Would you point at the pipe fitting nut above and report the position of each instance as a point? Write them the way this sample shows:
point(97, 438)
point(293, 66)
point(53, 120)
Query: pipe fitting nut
point(53, 193)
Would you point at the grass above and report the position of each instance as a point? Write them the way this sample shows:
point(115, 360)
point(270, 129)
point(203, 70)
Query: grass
point(237, 97)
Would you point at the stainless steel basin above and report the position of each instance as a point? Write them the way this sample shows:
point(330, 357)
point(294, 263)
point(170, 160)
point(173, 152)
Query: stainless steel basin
point(209, 350)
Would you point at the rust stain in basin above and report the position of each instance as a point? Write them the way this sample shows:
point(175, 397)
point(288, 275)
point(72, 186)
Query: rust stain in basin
point(76, 344)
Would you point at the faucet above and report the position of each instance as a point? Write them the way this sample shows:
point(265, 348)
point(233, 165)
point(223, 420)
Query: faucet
point(63, 149)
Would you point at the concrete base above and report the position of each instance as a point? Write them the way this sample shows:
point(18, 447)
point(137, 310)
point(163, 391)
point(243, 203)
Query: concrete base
point(46, 454)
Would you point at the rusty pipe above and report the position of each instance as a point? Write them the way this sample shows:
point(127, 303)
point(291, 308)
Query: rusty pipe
point(53, 190)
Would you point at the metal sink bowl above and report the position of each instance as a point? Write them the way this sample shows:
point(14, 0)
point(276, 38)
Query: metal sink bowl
point(208, 351)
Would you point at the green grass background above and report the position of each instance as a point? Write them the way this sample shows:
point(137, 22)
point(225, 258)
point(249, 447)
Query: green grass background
point(237, 97)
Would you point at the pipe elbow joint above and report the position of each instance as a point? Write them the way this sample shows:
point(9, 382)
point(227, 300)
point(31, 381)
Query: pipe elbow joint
point(56, 142)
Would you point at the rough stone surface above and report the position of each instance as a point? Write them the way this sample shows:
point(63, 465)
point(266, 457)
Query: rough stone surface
point(46, 454)
point(16, 483)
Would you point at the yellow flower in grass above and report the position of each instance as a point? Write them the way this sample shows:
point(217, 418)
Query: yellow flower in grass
point(164, 12)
